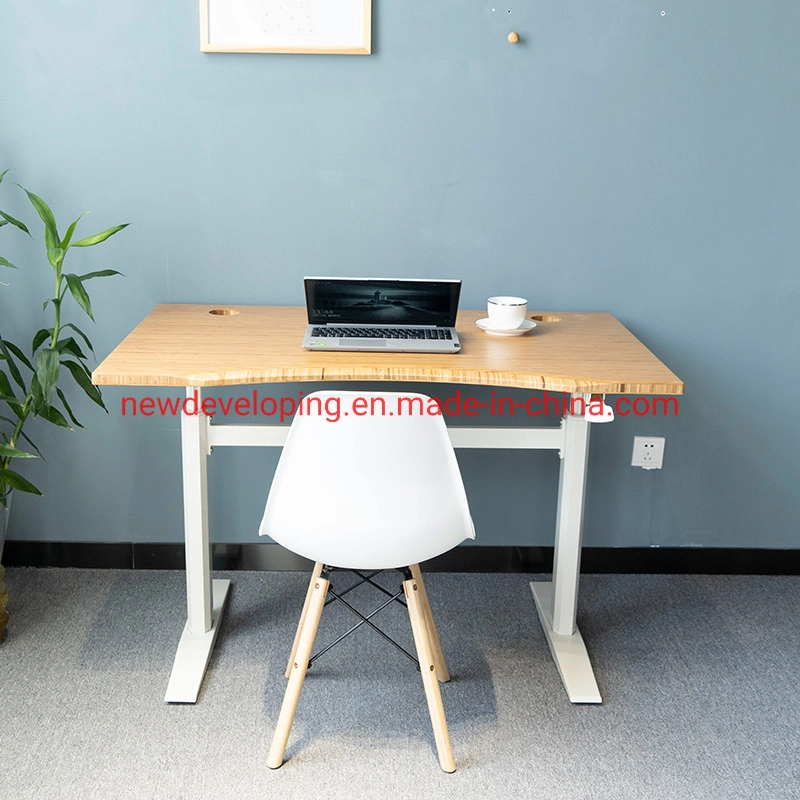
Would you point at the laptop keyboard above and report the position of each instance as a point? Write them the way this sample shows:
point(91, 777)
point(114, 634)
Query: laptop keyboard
point(381, 333)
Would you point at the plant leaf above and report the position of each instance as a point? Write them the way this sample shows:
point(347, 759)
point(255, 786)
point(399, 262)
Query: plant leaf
point(30, 442)
point(16, 481)
point(99, 237)
point(84, 381)
point(71, 346)
point(103, 273)
point(69, 410)
point(5, 386)
point(54, 255)
point(52, 414)
point(40, 338)
point(68, 235)
point(79, 293)
point(25, 437)
point(12, 367)
point(43, 210)
point(80, 333)
point(3, 174)
point(47, 368)
point(4, 262)
point(7, 451)
point(19, 354)
point(11, 401)
point(6, 393)
point(36, 394)
point(8, 218)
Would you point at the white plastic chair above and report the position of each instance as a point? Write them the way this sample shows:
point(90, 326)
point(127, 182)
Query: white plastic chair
point(365, 483)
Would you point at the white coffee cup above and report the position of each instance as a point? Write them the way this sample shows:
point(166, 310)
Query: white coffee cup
point(506, 313)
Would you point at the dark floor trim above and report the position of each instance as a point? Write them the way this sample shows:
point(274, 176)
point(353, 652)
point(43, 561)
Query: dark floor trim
point(91, 555)
point(608, 560)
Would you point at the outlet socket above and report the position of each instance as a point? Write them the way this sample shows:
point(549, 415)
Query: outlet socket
point(648, 452)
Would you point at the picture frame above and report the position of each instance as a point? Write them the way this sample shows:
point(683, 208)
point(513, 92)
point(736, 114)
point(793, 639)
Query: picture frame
point(286, 26)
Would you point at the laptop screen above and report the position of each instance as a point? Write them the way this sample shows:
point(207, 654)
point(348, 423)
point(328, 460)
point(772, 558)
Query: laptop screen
point(382, 301)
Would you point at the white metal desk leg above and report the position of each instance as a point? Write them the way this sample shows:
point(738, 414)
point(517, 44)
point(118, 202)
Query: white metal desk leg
point(556, 602)
point(204, 610)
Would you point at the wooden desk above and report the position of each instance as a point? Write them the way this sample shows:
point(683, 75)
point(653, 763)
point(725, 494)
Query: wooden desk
point(196, 346)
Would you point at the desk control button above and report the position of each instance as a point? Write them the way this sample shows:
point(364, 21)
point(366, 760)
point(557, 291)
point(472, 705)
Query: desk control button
point(597, 410)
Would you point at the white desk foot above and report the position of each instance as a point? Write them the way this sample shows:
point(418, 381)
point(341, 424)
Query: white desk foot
point(569, 652)
point(194, 652)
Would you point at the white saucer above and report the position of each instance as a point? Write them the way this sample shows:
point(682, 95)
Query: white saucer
point(527, 325)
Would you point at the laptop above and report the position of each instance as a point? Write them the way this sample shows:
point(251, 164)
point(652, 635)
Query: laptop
point(401, 315)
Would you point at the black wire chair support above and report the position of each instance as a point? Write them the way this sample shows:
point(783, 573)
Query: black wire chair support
point(364, 620)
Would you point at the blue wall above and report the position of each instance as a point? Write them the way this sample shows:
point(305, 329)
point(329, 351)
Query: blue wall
point(617, 159)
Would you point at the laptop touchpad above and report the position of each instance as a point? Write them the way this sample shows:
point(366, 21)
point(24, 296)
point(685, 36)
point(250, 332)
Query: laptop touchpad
point(352, 342)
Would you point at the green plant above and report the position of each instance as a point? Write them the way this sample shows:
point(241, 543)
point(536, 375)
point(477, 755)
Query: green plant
point(29, 386)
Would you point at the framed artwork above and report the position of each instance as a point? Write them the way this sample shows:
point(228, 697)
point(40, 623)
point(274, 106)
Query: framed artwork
point(286, 26)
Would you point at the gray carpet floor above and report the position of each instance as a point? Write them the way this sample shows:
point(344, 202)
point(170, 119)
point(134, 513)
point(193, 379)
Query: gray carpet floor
point(700, 677)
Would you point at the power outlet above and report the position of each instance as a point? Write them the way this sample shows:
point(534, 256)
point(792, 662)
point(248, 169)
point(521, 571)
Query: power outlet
point(648, 452)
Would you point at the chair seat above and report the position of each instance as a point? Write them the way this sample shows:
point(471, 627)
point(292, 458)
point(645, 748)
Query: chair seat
point(367, 492)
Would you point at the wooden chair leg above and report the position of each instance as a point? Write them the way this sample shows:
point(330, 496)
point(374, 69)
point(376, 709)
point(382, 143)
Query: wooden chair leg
point(319, 589)
point(317, 571)
point(428, 670)
point(438, 656)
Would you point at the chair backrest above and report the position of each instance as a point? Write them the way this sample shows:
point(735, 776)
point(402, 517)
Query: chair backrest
point(367, 480)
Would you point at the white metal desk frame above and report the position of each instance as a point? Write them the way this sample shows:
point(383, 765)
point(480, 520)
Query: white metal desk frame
point(556, 600)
